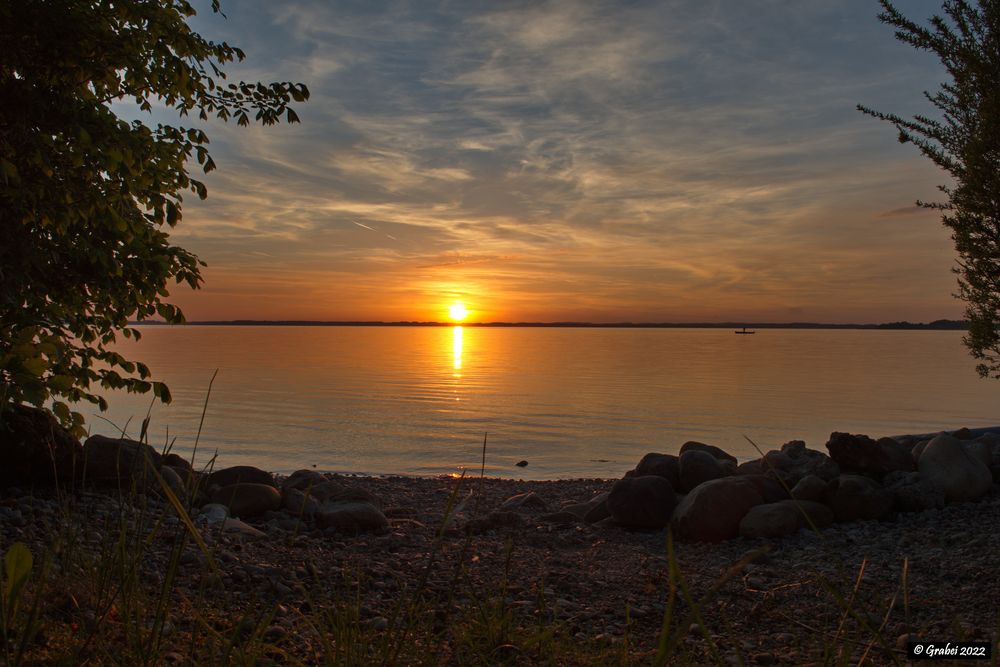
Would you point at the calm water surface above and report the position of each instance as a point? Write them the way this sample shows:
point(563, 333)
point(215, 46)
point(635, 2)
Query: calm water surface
point(572, 402)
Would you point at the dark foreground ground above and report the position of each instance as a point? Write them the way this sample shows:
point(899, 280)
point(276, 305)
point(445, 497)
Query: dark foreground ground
point(119, 578)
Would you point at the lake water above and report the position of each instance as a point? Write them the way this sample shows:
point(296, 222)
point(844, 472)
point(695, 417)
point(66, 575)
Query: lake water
point(572, 402)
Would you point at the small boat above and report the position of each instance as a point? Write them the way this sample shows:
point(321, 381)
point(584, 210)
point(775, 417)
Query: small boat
point(744, 331)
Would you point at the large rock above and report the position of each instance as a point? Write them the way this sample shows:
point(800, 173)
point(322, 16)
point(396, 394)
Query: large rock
point(642, 502)
point(118, 461)
point(804, 462)
point(770, 520)
point(911, 493)
point(696, 467)
point(714, 510)
point(350, 516)
point(946, 462)
point(299, 503)
point(176, 461)
point(770, 489)
point(992, 440)
point(716, 452)
point(247, 499)
point(240, 474)
point(855, 498)
point(302, 480)
point(860, 453)
point(35, 449)
point(784, 518)
point(666, 466)
point(595, 509)
point(527, 500)
point(810, 487)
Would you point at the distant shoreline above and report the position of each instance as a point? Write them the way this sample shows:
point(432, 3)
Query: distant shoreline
point(937, 325)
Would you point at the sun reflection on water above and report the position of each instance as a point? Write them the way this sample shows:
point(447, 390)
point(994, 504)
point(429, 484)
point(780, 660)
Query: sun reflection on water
point(457, 351)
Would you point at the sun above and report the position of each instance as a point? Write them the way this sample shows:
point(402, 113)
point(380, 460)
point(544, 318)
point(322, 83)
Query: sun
point(457, 312)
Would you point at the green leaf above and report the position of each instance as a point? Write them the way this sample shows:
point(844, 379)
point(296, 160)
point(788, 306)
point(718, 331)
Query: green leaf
point(17, 568)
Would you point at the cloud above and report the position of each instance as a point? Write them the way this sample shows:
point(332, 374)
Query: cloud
point(683, 160)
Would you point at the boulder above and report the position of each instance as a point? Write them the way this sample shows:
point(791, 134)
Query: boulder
point(770, 489)
point(810, 487)
point(771, 520)
point(819, 514)
point(299, 503)
point(855, 498)
point(240, 474)
point(712, 512)
point(349, 516)
point(662, 465)
point(754, 467)
point(238, 528)
point(979, 450)
point(918, 449)
point(592, 511)
point(176, 461)
point(347, 494)
point(247, 499)
point(302, 480)
point(946, 462)
point(860, 453)
point(804, 462)
point(784, 518)
point(642, 502)
point(327, 489)
point(697, 466)
point(777, 460)
point(910, 493)
point(720, 454)
point(174, 481)
point(528, 500)
point(118, 461)
point(35, 448)
point(212, 513)
point(993, 441)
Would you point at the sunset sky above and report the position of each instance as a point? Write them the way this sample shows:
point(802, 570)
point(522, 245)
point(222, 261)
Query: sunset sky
point(570, 160)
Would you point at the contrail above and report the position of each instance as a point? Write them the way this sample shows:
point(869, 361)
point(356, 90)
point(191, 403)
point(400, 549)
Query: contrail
point(372, 229)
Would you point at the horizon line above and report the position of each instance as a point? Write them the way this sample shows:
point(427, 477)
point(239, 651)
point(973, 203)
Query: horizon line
point(940, 324)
